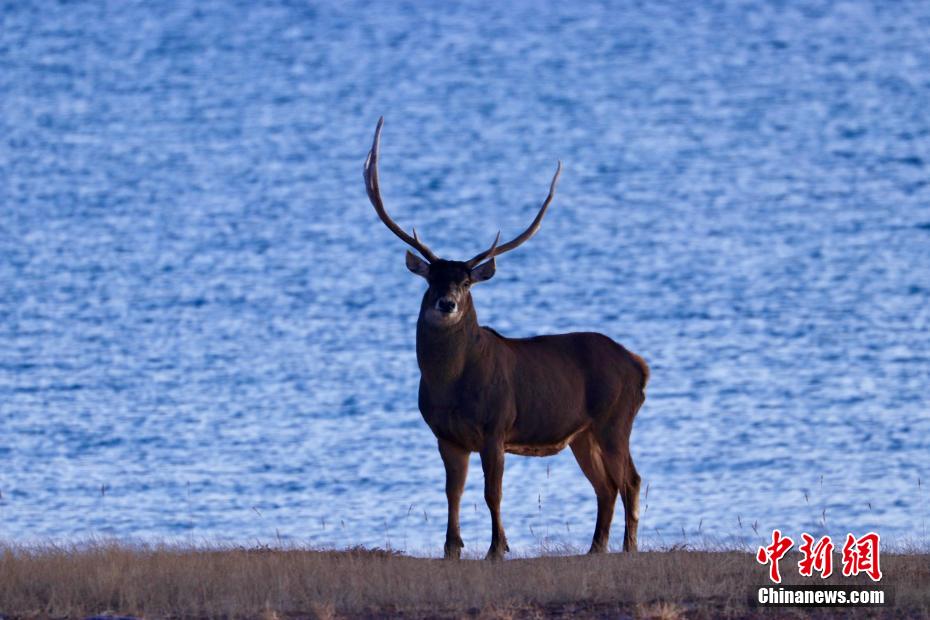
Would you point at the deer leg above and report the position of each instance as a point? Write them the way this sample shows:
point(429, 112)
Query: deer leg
point(588, 455)
point(455, 460)
point(492, 462)
point(629, 495)
point(622, 471)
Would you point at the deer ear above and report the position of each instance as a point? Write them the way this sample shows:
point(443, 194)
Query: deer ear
point(417, 265)
point(483, 272)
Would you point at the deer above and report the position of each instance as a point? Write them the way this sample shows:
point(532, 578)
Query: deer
point(483, 392)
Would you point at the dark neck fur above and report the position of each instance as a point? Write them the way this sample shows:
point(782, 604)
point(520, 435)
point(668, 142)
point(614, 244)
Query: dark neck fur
point(442, 352)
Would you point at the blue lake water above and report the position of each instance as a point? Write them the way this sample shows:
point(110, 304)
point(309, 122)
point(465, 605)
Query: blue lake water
point(207, 335)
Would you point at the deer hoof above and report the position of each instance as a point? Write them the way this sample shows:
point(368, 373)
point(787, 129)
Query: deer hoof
point(453, 549)
point(496, 552)
point(597, 549)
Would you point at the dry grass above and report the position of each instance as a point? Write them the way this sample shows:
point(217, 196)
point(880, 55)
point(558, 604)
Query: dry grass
point(273, 584)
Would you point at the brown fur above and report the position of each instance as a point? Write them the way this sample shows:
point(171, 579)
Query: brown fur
point(482, 392)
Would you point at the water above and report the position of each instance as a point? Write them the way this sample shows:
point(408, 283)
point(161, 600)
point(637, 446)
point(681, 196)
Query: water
point(206, 334)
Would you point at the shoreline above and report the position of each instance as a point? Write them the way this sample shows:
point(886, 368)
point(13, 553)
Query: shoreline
point(114, 579)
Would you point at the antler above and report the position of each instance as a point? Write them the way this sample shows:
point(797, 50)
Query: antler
point(472, 262)
point(496, 250)
point(374, 195)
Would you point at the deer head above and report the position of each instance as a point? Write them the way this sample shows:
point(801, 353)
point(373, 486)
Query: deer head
point(448, 298)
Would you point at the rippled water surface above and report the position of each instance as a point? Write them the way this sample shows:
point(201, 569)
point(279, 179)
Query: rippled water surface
point(207, 334)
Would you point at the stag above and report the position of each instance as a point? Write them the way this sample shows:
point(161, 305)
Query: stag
point(482, 392)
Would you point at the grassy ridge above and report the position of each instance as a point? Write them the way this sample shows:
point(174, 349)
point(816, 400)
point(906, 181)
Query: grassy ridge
point(164, 581)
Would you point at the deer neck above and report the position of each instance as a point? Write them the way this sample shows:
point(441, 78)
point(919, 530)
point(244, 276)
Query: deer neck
point(443, 353)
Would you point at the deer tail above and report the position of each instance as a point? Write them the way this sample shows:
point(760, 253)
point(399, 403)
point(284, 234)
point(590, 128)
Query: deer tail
point(643, 369)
